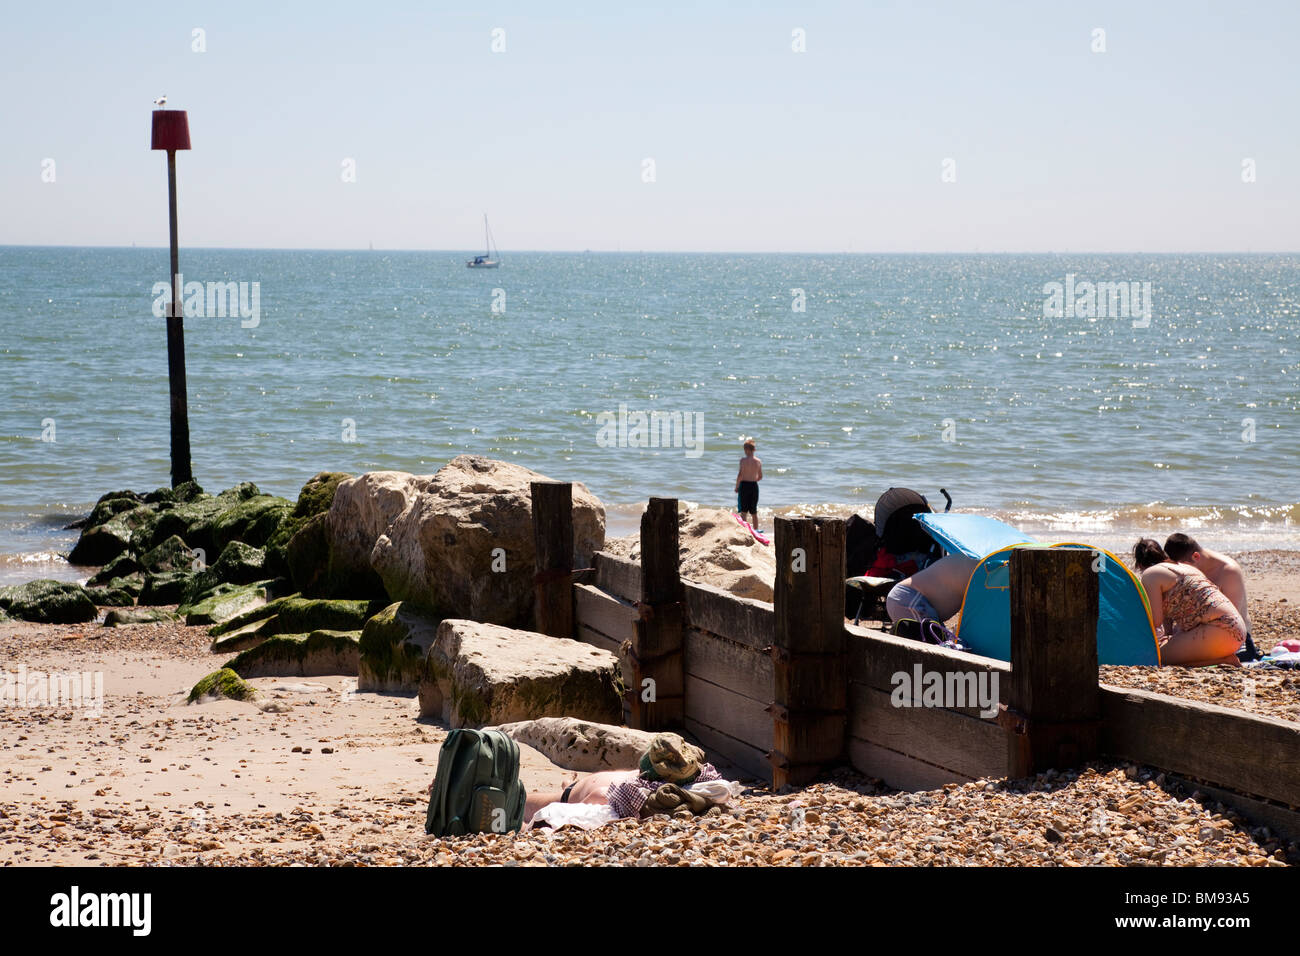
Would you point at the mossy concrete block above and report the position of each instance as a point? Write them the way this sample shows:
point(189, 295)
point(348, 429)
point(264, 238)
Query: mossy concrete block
point(253, 521)
point(484, 674)
point(119, 567)
point(253, 614)
point(160, 496)
point(106, 509)
point(111, 597)
point(172, 554)
point(139, 615)
point(301, 655)
point(300, 615)
point(238, 563)
point(290, 615)
point(100, 544)
point(131, 496)
point(222, 683)
point(314, 499)
point(317, 494)
point(48, 602)
point(190, 520)
point(307, 556)
point(132, 584)
point(243, 638)
point(187, 491)
point(393, 646)
point(165, 588)
point(240, 492)
point(226, 601)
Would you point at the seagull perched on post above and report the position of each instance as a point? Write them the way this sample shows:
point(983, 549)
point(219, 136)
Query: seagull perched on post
point(161, 101)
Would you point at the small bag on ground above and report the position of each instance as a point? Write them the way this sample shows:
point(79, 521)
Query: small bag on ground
point(476, 788)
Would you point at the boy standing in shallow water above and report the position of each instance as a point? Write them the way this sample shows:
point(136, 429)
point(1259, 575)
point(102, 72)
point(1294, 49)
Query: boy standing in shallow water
point(747, 479)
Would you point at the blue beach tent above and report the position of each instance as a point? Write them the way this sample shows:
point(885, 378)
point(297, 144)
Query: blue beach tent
point(1125, 633)
point(971, 535)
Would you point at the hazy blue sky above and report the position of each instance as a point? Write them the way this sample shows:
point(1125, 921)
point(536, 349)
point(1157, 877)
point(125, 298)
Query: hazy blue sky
point(756, 147)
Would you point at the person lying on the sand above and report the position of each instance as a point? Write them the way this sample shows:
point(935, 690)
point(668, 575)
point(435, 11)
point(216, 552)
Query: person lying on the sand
point(1198, 622)
point(1224, 573)
point(934, 592)
point(667, 768)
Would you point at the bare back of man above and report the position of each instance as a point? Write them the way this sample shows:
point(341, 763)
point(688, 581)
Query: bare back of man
point(1226, 575)
point(944, 583)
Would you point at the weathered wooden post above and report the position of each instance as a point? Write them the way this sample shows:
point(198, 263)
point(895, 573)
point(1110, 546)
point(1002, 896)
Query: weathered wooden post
point(1053, 703)
point(810, 674)
point(553, 546)
point(171, 131)
point(658, 695)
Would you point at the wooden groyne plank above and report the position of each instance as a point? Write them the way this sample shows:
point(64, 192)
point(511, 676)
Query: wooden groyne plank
point(738, 619)
point(741, 755)
point(738, 716)
point(604, 613)
point(729, 665)
point(965, 745)
point(618, 576)
point(1245, 752)
point(899, 770)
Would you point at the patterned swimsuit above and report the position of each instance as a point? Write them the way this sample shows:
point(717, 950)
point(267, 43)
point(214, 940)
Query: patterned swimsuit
point(1195, 601)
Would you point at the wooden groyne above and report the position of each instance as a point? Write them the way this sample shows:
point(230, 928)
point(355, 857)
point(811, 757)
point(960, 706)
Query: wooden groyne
point(789, 689)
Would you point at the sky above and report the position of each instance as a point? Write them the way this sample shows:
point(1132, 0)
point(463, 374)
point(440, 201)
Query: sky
point(899, 127)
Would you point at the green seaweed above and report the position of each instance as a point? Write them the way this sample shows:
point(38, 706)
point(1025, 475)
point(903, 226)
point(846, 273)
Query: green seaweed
point(293, 648)
point(223, 683)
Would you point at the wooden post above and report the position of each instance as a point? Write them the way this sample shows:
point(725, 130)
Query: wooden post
point(180, 415)
point(659, 637)
point(1053, 703)
point(553, 545)
point(810, 674)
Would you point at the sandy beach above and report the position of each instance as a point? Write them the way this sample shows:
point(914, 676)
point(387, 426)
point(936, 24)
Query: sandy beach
point(319, 774)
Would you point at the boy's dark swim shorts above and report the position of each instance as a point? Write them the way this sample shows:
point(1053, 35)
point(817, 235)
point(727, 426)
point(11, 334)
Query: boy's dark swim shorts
point(747, 499)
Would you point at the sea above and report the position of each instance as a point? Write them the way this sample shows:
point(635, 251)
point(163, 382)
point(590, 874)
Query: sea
point(1089, 398)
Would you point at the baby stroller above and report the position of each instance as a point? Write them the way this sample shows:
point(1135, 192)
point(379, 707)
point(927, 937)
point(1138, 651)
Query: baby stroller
point(882, 552)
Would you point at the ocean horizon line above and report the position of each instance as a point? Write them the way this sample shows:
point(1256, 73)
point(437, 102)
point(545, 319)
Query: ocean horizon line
point(683, 252)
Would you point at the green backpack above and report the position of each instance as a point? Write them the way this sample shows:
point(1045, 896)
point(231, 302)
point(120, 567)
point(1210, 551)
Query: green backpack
point(477, 788)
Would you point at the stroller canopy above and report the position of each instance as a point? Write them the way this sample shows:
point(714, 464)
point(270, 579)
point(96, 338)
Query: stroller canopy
point(898, 532)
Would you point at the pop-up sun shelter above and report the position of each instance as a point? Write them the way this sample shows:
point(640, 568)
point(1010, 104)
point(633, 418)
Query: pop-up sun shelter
point(1125, 634)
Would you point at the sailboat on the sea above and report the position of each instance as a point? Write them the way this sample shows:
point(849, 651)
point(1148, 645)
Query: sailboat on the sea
point(490, 258)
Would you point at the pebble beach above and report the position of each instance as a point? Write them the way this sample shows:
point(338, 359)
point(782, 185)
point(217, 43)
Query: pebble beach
point(318, 774)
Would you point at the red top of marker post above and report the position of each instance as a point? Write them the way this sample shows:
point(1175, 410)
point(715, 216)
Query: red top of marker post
point(171, 130)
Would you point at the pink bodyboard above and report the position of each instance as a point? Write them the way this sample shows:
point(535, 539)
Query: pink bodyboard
point(760, 538)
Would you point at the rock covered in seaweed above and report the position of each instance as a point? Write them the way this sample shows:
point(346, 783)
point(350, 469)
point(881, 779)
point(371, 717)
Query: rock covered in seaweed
point(300, 655)
point(48, 602)
point(222, 683)
point(394, 643)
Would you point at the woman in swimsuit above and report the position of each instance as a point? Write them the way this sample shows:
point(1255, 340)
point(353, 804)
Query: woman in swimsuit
point(1196, 622)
